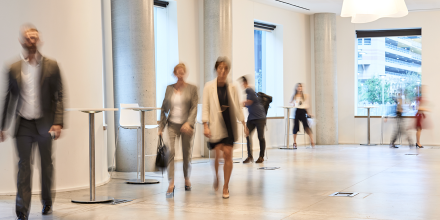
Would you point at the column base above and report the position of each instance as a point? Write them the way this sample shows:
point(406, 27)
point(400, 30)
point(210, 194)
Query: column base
point(98, 199)
point(147, 181)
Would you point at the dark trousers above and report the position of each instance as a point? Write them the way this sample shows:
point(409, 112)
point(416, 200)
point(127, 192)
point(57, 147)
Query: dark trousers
point(259, 124)
point(27, 135)
point(400, 130)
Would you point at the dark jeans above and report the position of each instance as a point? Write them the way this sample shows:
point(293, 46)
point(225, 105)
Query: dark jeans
point(27, 135)
point(259, 124)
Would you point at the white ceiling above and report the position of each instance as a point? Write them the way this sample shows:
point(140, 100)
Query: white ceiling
point(335, 6)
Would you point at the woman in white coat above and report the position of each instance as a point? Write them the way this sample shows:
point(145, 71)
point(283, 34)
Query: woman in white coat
point(221, 110)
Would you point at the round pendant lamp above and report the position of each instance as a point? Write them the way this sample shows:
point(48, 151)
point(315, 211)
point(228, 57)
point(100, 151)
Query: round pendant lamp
point(364, 11)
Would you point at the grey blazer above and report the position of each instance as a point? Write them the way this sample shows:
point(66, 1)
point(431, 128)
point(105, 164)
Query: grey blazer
point(51, 96)
point(190, 99)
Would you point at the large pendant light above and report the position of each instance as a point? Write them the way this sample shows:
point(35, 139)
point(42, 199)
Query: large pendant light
point(363, 11)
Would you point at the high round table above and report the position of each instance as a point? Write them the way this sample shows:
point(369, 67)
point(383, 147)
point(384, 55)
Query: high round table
point(368, 119)
point(287, 132)
point(92, 199)
point(142, 111)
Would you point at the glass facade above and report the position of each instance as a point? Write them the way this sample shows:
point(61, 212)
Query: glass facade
point(388, 68)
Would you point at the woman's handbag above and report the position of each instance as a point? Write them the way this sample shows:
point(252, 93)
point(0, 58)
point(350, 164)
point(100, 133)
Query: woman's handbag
point(162, 154)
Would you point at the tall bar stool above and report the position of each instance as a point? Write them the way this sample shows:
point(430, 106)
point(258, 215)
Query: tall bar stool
point(245, 114)
point(198, 121)
point(129, 119)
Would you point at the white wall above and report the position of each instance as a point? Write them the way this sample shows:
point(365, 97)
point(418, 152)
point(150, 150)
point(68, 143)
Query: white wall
point(71, 33)
point(353, 130)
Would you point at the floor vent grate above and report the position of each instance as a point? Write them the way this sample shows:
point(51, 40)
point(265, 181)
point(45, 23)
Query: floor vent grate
point(269, 168)
point(120, 201)
point(344, 194)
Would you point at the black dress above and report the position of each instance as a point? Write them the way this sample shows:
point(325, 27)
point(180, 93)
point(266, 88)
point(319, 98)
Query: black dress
point(223, 99)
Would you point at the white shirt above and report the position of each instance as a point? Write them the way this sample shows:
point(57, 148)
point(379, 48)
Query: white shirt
point(177, 115)
point(30, 103)
point(300, 102)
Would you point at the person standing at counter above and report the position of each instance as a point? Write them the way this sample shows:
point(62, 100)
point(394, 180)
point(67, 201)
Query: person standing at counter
point(301, 102)
point(179, 112)
point(35, 99)
point(221, 110)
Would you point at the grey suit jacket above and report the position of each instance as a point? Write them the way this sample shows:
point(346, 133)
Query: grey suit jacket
point(190, 100)
point(51, 96)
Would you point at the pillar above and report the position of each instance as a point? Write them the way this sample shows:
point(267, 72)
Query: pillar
point(326, 93)
point(134, 75)
point(217, 26)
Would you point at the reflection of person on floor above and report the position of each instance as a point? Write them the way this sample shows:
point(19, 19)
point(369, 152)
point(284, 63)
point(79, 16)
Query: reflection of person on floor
point(35, 92)
point(401, 129)
point(256, 119)
point(221, 110)
point(301, 102)
point(180, 103)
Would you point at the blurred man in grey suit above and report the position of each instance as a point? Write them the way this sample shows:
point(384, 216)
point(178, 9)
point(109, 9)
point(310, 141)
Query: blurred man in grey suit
point(34, 100)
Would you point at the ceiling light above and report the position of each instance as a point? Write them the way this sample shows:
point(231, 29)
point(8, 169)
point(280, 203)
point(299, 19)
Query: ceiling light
point(364, 11)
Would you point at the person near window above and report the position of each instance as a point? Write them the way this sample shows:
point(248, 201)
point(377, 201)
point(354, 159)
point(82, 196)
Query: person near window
point(301, 102)
point(401, 129)
point(256, 119)
point(221, 110)
point(420, 117)
point(35, 96)
point(179, 111)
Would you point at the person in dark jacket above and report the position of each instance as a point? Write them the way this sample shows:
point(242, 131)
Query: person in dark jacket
point(256, 119)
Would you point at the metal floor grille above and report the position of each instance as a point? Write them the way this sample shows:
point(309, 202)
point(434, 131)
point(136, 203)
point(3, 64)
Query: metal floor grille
point(269, 168)
point(120, 201)
point(344, 194)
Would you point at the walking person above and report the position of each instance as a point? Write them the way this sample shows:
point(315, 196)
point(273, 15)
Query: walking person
point(301, 102)
point(400, 130)
point(35, 96)
point(221, 110)
point(420, 117)
point(179, 111)
point(256, 119)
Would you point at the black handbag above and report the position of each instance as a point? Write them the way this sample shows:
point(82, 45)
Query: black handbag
point(162, 154)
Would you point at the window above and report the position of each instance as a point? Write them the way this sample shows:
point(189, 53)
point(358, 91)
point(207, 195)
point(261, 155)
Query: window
point(388, 68)
point(166, 49)
point(268, 49)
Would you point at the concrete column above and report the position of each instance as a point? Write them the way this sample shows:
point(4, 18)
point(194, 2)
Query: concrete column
point(326, 93)
point(217, 38)
point(218, 33)
point(134, 75)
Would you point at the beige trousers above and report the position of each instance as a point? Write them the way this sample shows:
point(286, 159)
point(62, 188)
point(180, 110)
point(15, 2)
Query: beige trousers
point(174, 132)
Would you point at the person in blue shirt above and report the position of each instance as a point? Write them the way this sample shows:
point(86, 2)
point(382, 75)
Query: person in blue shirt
point(256, 119)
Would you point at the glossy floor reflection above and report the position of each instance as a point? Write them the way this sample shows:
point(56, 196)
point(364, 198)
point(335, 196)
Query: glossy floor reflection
point(392, 185)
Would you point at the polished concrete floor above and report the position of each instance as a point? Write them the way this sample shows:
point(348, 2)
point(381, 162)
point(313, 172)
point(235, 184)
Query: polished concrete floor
point(391, 185)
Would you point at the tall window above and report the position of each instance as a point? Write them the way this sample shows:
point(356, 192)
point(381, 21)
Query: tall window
point(166, 49)
point(260, 60)
point(268, 49)
point(389, 68)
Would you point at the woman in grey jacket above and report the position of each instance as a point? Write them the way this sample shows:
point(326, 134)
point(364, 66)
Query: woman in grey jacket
point(179, 111)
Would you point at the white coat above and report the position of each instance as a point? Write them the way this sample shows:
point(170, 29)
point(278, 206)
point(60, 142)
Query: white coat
point(211, 112)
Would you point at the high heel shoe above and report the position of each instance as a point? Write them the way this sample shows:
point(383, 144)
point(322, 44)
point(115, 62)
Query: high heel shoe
point(226, 196)
point(187, 188)
point(294, 146)
point(170, 194)
point(418, 146)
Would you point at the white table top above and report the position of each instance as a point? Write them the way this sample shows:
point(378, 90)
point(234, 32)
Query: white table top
point(143, 109)
point(369, 107)
point(286, 107)
point(91, 110)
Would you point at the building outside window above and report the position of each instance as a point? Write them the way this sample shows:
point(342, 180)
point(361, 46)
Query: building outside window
point(260, 60)
point(388, 68)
